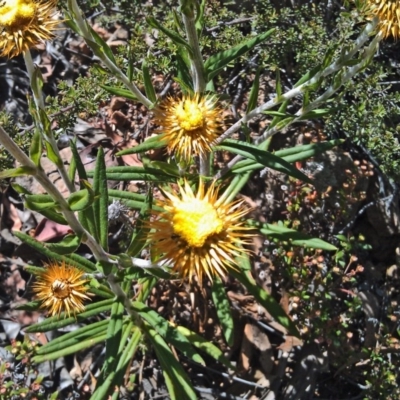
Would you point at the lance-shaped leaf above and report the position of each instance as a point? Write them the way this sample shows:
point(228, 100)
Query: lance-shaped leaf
point(265, 299)
point(81, 199)
point(291, 236)
point(100, 204)
point(86, 216)
point(119, 92)
point(167, 331)
point(113, 341)
point(291, 155)
point(67, 245)
point(72, 259)
point(205, 346)
point(88, 341)
point(220, 60)
point(175, 37)
point(252, 103)
point(137, 174)
point(262, 157)
point(148, 85)
point(175, 376)
point(14, 172)
point(155, 142)
point(74, 337)
point(223, 308)
point(36, 150)
point(116, 377)
point(39, 202)
point(57, 322)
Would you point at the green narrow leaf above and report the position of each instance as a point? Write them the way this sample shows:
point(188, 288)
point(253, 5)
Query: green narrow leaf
point(103, 47)
point(183, 75)
point(74, 337)
point(52, 155)
point(278, 83)
point(86, 217)
point(39, 202)
point(175, 37)
point(317, 113)
point(220, 60)
point(113, 342)
point(37, 82)
point(307, 76)
point(205, 346)
point(100, 205)
point(67, 245)
point(83, 344)
point(148, 85)
point(277, 118)
point(81, 200)
point(263, 157)
point(234, 187)
point(119, 92)
point(291, 155)
point(175, 376)
point(138, 241)
point(146, 286)
point(167, 331)
point(56, 322)
point(223, 309)
point(20, 171)
point(72, 259)
point(35, 151)
point(155, 142)
point(131, 67)
point(264, 298)
point(115, 378)
point(252, 104)
point(293, 237)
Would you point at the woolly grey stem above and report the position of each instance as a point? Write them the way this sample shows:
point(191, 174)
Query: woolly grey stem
point(39, 102)
point(334, 67)
point(42, 178)
point(116, 71)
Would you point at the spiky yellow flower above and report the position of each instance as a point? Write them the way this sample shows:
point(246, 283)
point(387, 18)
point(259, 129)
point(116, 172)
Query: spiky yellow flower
point(24, 24)
point(198, 233)
point(388, 13)
point(190, 124)
point(61, 287)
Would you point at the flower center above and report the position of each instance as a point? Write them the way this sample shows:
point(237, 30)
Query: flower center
point(61, 288)
point(189, 115)
point(16, 14)
point(195, 221)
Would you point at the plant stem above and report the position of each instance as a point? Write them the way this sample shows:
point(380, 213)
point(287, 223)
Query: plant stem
point(197, 67)
point(39, 102)
point(298, 91)
point(47, 185)
point(114, 69)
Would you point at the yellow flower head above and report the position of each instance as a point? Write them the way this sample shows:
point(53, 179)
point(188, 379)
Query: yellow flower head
point(25, 24)
point(388, 13)
point(61, 287)
point(190, 125)
point(199, 234)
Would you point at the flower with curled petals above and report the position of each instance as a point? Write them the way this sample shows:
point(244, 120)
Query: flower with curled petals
point(190, 124)
point(199, 234)
point(61, 287)
point(24, 24)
